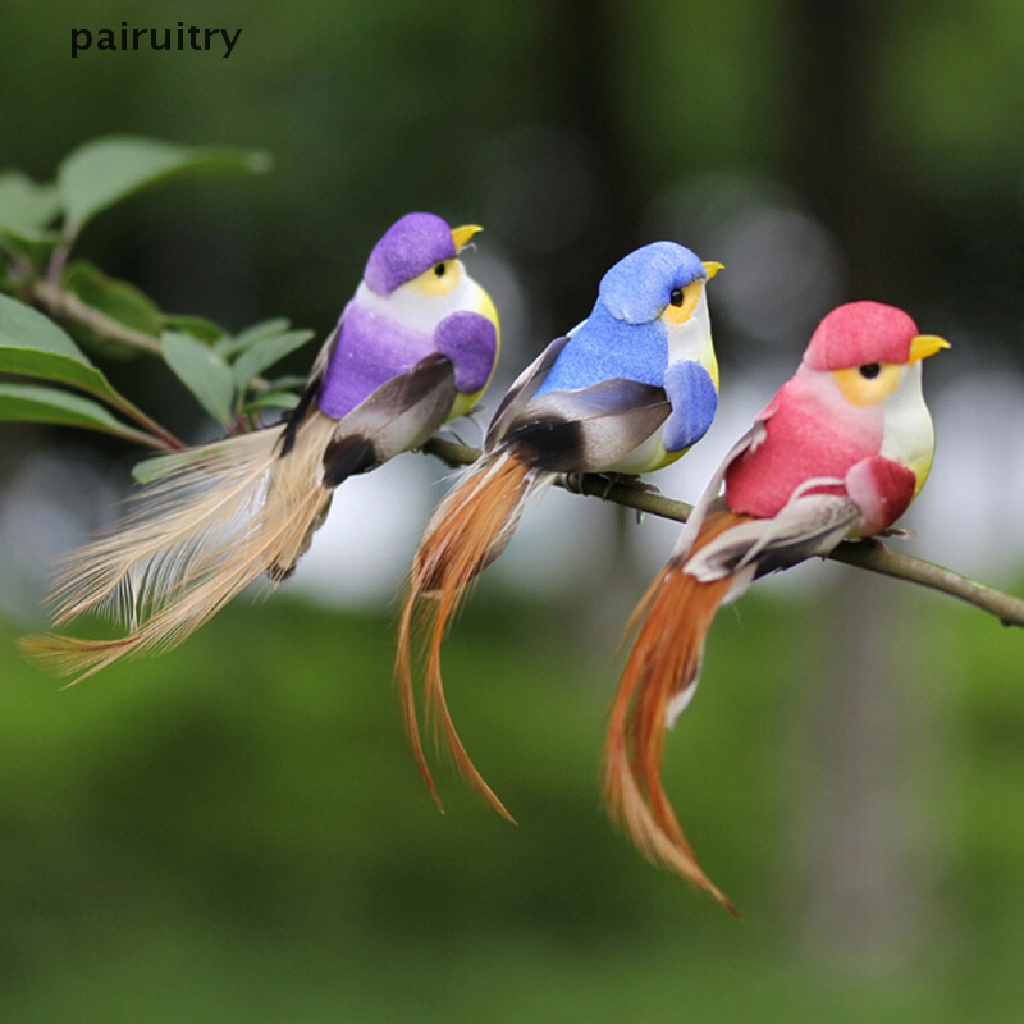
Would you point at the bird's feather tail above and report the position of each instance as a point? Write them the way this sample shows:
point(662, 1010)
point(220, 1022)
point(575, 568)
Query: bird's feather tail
point(670, 623)
point(194, 541)
point(468, 530)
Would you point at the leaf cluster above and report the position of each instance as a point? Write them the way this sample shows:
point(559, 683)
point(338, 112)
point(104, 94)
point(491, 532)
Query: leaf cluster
point(52, 307)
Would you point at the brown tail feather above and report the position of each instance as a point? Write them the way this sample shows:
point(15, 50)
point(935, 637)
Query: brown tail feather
point(458, 543)
point(254, 515)
point(671, 622)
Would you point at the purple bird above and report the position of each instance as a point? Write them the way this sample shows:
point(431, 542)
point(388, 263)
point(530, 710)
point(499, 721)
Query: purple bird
point(414, 348)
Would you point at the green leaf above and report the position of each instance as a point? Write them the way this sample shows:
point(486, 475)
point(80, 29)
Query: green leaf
point(31, 345)
point(199, 327)
point(37, 246)
point(289, 382)
point(26, 207)
point(272, 400)
point(264, 353)
point(162, 465)
point(38, 404)
point(103, 171)
point(203, 371)
point(229, 346)
point(118, 300)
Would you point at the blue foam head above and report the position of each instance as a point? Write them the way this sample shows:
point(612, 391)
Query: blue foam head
point(640, 285)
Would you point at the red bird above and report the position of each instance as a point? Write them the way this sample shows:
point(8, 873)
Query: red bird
point(839, 452)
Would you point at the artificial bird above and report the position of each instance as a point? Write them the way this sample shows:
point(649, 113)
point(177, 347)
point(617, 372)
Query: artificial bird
point(628, 390)
point(839, 452)
point(415, 347)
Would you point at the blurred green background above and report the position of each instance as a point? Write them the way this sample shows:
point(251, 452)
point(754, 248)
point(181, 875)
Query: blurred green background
point(236, 831)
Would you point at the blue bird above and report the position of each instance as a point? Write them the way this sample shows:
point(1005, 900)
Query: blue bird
point(628, 390)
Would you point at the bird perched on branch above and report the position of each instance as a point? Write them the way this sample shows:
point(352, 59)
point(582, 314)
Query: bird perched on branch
point(839, 452)
point(627, 391)
point(415, 347)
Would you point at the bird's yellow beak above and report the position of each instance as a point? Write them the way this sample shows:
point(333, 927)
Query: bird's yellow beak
point(925, 345)
point(713, 268)
point(462, 235)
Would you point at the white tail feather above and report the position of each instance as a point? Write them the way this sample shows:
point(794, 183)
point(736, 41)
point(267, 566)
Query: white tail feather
point(198, 507)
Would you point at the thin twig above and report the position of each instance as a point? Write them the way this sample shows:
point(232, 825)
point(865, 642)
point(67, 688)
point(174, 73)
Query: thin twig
point(65, 305)
point(870, 554)
point(57, 261)
point(874, 555)
point(21, 266)
point(161, 437)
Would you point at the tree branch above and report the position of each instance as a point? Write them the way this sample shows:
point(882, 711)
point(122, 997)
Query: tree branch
point(63, 305)
point(869, 554)
point(874, 555)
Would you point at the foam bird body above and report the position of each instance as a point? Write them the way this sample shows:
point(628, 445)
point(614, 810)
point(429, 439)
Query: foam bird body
point(839, 452)
point(415, 347)
point(628, 390)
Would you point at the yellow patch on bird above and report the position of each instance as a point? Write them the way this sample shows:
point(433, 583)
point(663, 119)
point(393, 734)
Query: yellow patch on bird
point(485, 307)
point(679, 313)
point(665, 457)
point(869, 384)
point(651, 455)
point(709, 361)
point(921, 468)
point(439, 279)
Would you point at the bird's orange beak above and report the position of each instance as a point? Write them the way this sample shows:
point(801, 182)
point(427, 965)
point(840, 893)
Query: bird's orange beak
point(712, 268)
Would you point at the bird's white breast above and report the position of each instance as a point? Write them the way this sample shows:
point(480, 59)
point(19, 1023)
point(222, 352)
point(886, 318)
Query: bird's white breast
point(692, 339)
point(909, 436)
point(409, 308)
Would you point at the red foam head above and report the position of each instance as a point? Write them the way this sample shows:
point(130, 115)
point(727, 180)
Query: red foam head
point(859, 333)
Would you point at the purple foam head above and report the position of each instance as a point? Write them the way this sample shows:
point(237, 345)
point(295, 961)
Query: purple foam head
point(411, 245)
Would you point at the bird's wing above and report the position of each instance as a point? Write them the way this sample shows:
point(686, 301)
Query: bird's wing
point(522, 390)
point(587, 429)
point(808, 525)
point(401, 414)
point(307, 400)
point(709, 496)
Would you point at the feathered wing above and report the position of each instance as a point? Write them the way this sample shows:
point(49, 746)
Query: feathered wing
point(523, 388)
point(236, 510)
point(588, 430)
point(401, 414)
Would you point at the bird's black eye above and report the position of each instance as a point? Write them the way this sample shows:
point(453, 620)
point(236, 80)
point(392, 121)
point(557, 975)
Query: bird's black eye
point(677, 296)
point(439, 270)
point(869, 371)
